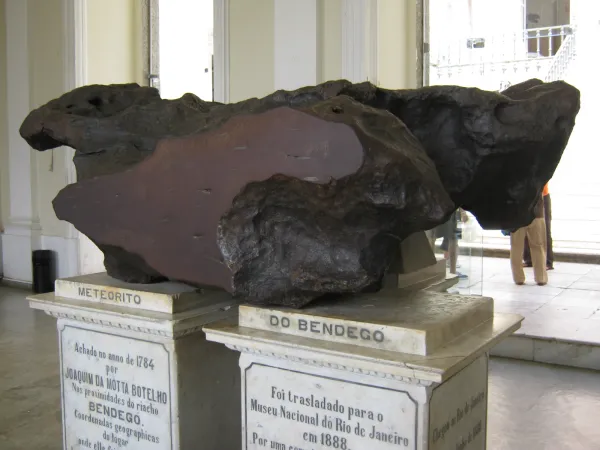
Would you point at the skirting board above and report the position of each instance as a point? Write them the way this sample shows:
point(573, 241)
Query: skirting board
point(16, 284)
point(16, 257)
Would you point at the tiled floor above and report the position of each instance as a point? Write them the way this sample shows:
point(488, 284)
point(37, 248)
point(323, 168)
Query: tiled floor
point(567, 308)
point(531, 406)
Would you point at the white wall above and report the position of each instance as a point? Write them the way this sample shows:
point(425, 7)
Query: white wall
point(296, 57)
point(397, 44)
point(21, 225)
point(3, 111)
point(114, 42)
point(3, 142)
point(252, 49)
point(46, 82)
point(255, 56)
point(34, 74)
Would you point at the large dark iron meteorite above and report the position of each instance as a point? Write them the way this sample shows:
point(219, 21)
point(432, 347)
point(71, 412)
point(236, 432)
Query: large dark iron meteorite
point(299, 194)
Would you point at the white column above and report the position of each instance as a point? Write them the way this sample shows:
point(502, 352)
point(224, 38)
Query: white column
point(359, 40)
point(75, 75)
point(22, 225)
point(81, 254)
point(296, 44)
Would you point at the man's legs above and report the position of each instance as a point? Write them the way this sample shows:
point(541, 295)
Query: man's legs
point(548, 219)
point(536, 232)
point(526, 253)
point(517, 241)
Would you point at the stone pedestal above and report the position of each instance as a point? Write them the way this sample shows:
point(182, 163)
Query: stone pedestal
point(382, 371)
point(136, 370)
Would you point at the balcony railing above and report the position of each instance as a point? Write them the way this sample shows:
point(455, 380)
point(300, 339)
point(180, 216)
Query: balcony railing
point(495, 62)
point(563, 58)
point(545, 42)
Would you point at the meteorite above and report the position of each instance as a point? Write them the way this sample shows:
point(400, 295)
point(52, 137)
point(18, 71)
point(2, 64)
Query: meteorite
point(284, 199)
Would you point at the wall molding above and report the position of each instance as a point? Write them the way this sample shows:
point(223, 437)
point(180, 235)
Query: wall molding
point(75, 75)
point(151, 63)
point(422, 43)
point(18, 106)
point(359, 40)
point(373, 41)
point(221, 51)
point(75, 43)
point(22, 228)
point(319, 363)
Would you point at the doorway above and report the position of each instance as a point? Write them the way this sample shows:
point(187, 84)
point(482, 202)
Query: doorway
point(185, 48)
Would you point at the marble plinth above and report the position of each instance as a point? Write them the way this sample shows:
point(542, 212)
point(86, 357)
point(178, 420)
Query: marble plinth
point(382, 371)
point(168, 297)
point(136, 378)
point(421, 278)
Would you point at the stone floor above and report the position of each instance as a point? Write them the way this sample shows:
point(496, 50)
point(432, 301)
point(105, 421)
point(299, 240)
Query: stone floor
point(540, 407)
point(568, 307)
point(532, 406)
point(29, 382)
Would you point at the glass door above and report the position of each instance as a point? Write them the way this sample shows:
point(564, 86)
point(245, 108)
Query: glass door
point(451, 39)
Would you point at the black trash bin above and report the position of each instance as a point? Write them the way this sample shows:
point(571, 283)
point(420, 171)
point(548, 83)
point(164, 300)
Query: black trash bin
point(44, 273)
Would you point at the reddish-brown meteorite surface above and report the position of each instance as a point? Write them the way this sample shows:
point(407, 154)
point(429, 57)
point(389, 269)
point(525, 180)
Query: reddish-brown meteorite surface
point(167, 208)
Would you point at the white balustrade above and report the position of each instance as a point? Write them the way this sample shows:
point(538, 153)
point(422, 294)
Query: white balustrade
point(497, 61)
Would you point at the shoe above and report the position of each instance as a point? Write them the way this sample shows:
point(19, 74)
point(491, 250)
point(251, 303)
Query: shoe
point(525, 264)
point(519, 283)
point(542, 284)
point(549, 267)
point(461, 276)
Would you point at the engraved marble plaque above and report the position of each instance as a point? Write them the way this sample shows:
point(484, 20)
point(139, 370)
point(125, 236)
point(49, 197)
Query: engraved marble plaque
point(116, 392)
point(458, 410)
point(166, 297)
point(415, 322)
point(287, 409)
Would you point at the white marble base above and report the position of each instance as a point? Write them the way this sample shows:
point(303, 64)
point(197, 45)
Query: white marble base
point(314, 391)
point(143, 380)
point(419, 279)
point(415, 322)
point(167, 297)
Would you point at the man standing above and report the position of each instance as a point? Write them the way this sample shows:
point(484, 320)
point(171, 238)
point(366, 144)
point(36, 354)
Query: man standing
point(548, 220)
point(536, 234)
